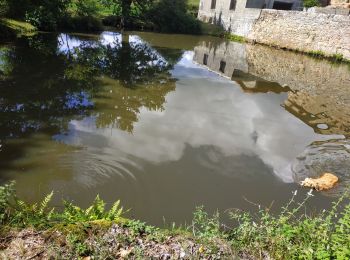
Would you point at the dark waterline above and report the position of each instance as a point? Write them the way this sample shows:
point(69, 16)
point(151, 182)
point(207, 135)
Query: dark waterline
point(169, 122)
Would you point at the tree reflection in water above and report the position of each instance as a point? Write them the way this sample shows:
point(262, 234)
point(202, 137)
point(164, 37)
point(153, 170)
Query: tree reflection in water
point(46, 81)
point(132, 75)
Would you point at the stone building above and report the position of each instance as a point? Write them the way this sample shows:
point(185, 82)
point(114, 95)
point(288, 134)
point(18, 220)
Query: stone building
point(238, 16)
point(236, 5)
point(325, 30)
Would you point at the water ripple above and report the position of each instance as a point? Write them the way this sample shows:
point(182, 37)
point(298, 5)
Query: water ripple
point(93, 166)
point(328, 156)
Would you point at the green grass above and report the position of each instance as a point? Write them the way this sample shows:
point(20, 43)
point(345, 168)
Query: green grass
point(18, 27)
point(317, 53)
point(338, 57)
point(320, 54)
point(234, 37)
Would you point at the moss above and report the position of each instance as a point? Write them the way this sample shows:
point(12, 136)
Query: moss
point(338, 57)
point(316, 53)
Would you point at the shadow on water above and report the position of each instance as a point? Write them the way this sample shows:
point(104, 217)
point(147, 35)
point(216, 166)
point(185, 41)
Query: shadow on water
point(167, 122)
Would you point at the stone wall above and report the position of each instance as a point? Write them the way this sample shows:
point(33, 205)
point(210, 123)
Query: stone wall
point(303, 31)
point(310, 31)
point(239, 21)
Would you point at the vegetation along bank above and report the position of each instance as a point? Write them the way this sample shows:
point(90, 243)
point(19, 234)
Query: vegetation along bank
point(91, 15)
point(38, 231)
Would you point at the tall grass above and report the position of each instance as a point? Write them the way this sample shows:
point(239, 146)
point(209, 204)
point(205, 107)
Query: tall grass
point(291, 234)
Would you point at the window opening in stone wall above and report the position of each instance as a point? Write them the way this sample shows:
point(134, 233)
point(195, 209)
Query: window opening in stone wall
point(222, 66)
point(213, 4)
point(233, 5)
point(205, 59)
point(282, 5)
point(259, 4)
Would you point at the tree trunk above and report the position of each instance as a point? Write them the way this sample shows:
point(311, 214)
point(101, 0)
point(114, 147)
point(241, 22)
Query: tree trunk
point(126, 7)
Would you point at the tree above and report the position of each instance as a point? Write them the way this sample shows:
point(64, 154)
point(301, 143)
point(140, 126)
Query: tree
point(3, 7)
point(87, 7)
point(126, 8)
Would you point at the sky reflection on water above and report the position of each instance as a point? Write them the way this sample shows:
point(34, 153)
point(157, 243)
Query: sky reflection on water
point(149, 124)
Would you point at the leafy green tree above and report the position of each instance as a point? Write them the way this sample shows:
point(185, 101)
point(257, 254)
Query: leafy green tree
point(3, 7)
point(127, 8)
point(88, 7)
point(172, 16)
point(46, 14)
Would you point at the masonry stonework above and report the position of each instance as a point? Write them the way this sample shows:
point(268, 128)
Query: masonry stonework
point(303, 31)
point(295, 30)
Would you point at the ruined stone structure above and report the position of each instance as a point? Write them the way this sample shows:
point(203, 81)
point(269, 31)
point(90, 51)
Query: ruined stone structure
point(326, 31)
point(260, 69)
point(340, 3)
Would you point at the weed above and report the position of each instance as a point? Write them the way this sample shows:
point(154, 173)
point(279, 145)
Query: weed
point(17, 213)
point(79, 247)
point(234, 37)
point(293, 234)
point(290, 234)
point(338, 57)
point(203, 225)
point(316, 53)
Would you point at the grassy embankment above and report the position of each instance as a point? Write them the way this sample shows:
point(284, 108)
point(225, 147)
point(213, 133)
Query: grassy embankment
point(29, 231)
point(13, 28)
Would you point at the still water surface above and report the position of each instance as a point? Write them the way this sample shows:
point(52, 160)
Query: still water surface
point(168, 122)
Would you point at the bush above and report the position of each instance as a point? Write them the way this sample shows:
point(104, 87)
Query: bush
point(112, 20)
point(46, 14)
point(171, 16)
point(81, 23)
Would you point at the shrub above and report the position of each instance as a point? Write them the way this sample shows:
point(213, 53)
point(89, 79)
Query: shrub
point(293, 234)
point(311, 3)
point(171, 16)
point(46, 14)
point(205, 226)
point(112, 20)
point(81, 23)
point(87, 7)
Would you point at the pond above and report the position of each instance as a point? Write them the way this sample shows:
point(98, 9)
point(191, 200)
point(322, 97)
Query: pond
point(169, 122)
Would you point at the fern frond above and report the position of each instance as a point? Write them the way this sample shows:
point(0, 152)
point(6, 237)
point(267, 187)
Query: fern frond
point(44, 203)
point(116, 211)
